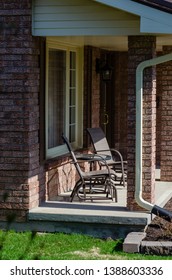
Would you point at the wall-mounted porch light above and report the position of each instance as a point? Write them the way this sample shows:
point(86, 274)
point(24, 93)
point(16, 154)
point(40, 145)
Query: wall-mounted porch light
point(104, 69)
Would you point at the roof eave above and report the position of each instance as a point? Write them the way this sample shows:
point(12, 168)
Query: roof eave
point(157, 4)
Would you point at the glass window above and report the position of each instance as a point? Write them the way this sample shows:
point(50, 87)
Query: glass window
point(62, 100)
point(56, 96)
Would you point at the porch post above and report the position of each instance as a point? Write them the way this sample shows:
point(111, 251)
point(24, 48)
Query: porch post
point(141, 48)
point(166, 119)
point(21, 183)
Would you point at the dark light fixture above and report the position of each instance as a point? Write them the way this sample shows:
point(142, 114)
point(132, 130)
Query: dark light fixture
point(106, 72)
point(104, 69)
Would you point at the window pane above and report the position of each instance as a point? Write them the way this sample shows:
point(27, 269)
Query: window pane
point(72, 78)
point(72, 133)
point(72, 60)
point(72, 115)
point(72, 97)
point(56, 96)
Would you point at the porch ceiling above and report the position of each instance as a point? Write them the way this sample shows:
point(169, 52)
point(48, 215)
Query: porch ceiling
point(116, 43)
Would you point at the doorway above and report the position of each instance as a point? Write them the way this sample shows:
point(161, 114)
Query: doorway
point(114, 101)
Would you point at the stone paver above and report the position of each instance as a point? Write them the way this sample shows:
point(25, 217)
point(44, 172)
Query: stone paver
point(134, 243)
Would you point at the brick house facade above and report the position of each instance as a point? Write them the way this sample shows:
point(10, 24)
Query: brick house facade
point(26, 178)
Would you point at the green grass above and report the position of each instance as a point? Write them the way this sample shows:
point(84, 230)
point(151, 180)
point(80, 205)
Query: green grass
point(58, 246)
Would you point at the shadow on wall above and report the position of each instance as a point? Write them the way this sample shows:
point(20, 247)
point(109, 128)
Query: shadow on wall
point(60, 179)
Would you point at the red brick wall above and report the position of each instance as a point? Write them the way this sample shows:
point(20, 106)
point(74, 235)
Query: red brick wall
point(166, 121)
point(19, 111)
point(141, 48)
point(60, 177)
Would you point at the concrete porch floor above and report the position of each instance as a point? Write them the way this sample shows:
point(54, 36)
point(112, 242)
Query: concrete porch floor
point(101, 219)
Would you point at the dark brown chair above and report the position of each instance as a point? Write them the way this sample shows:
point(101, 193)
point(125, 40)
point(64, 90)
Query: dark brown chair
point(101, 146)
point(93, 182)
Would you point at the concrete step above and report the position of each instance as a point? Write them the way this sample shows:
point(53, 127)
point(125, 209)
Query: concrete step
point(101, 221)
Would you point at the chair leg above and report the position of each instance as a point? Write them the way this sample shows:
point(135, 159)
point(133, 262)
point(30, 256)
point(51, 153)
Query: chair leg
point(113, 191)
point(75, 190)
point(84, 191)
point(110, 189)
point(72, 195)
point(115, 195)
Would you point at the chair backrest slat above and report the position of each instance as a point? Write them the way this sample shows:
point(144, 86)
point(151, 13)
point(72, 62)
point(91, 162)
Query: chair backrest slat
point(99, 141)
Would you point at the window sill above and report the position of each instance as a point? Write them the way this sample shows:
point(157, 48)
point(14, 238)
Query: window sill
point(60, 160)
point(56, 161)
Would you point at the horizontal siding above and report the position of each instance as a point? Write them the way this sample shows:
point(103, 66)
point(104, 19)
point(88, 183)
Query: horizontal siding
point(86, 14)
point(80, 17)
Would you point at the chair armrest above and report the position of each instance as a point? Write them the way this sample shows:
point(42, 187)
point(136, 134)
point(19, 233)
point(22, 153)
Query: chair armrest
point(117, 152)
point(113, 151)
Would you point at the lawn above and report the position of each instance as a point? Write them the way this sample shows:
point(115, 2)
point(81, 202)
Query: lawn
point(59, 246)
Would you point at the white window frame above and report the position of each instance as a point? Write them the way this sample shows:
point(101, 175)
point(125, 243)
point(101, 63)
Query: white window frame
point(60, 150)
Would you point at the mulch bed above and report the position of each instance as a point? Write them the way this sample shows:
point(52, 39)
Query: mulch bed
point(160, 229)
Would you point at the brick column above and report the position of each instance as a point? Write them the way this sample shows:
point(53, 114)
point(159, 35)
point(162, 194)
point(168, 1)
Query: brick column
point(166, 119)
point(141, 48)
point(19, 111)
